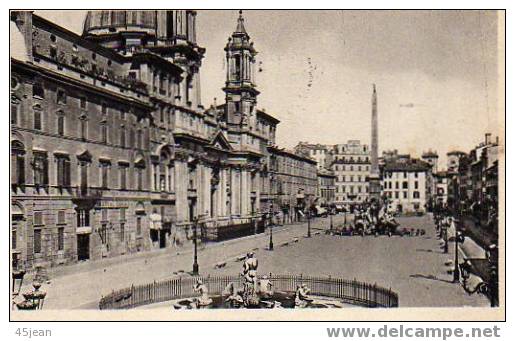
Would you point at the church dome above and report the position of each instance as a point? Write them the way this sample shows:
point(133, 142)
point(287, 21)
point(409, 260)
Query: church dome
point(118, 29)
point(106, 22)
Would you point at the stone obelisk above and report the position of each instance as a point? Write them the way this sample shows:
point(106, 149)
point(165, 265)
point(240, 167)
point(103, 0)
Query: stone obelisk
point(374, 179)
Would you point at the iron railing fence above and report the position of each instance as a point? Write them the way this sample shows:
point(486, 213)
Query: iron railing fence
point(348, 291)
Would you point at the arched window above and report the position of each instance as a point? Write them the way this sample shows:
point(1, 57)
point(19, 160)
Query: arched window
point(60, 123)
point(122, 136)
point(38, 118)
point(83, 127)
point(139, 165)
point(103, 132)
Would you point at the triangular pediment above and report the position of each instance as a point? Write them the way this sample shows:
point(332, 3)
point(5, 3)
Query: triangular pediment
point(221, 142)
point(85, 156)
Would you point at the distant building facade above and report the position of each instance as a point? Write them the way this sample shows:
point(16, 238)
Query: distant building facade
point(326, 187)
point(441, 181)
point(431, 157)
point(351, 166)
point(322, 154)
point(473, 179)
point(404, 184)
point(293, 180)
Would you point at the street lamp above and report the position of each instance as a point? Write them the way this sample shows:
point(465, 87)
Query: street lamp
point(195, 262)
point(309, 223)
point(456, 277)
point(271, 243)
point(331, 221)
point(446, 239)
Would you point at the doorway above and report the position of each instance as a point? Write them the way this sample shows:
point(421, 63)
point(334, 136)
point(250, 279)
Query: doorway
point(82, 247)
point(162, 239)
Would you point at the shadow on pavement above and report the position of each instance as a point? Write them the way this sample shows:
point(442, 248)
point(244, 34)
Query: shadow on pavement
point(431, 277)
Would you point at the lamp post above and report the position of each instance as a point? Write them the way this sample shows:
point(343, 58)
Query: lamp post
point(271, 243)
point(309, 223)
point(446, 239)
point(456, 277)
point(331, 221)
point(195, 261)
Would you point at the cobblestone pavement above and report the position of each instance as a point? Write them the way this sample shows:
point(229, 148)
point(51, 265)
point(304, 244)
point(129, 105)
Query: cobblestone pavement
point(412, 266)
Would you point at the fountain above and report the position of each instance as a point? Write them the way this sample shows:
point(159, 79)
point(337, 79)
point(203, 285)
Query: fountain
point(253, 292)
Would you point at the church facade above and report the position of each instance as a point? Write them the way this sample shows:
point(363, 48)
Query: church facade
point(113, 153)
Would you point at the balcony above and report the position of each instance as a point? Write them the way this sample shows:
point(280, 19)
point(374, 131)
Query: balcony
point(86, 192)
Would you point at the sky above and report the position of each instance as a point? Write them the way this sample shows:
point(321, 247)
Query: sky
point(436, 73)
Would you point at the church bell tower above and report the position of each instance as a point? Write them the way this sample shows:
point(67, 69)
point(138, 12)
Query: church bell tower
point(240, 90)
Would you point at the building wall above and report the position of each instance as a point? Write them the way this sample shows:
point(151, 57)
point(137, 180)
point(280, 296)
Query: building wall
point(406, 189)
point(293, 182)
point(326, 189)
point(181, 161)
point(154, 126)
point(441, 190)
point(351, 166)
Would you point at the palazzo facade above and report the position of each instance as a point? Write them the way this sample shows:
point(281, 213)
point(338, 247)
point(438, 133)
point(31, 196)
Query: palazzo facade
point(112, 151)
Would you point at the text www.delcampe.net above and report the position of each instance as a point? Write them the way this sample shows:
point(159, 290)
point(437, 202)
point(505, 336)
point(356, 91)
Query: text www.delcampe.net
point(415, 332)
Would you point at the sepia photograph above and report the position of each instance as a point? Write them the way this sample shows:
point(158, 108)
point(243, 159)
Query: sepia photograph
point(257, 165)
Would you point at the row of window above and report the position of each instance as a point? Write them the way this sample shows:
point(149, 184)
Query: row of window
point(389, 185)
point(63, 171)
point(38, 91)
point(351, 168)
point(396, 195)
point(358, 198)
point(352, 189)
point(83, 219)
point(351, 178)
point(388, 175)
point(352, 159)
point(128, 138)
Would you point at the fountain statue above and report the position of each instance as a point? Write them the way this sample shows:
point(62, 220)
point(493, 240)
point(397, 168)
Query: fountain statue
point(302, 298)
point(250, 281)
point(250, 291)
point(204, 301)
